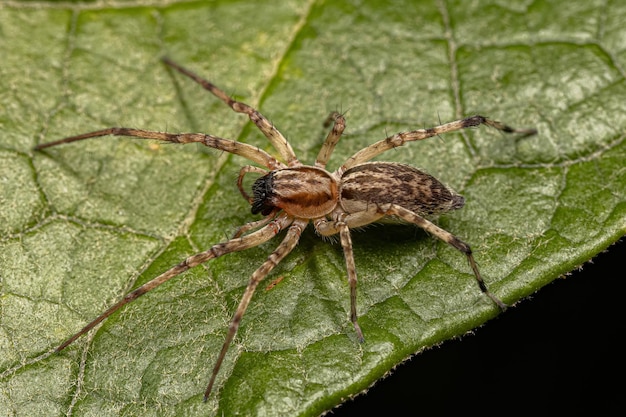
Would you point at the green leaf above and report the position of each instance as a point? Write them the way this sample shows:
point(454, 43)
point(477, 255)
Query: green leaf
point(82, 224)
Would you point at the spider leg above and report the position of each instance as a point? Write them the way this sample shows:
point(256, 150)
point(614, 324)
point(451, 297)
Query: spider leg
point(286, 246)
point(400, 139)
point(265, 126)
point(253, 225)
point(242, 149)
point(242, 173)
point(447, 237)
point(328, 228)
point(233, 245)
point(339, 124)
point(342, 226)
point(346, 244)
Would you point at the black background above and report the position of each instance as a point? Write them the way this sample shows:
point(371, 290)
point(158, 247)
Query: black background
point(559, 351)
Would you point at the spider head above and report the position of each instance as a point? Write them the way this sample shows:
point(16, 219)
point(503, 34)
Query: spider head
point(263, 193)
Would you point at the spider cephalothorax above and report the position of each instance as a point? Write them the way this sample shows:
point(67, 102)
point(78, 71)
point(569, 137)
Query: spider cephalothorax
point(290, 195)
point(306, 192)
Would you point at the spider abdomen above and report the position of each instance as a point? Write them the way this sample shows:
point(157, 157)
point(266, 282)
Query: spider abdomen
point(380, 183)
point(305, 192)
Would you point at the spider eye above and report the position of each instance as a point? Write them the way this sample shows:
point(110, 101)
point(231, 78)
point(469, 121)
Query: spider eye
point(262, 191)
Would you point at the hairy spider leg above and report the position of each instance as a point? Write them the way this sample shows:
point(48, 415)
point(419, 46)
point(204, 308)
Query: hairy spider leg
point(400, 139)
point(250, 152)
point(265, 126)
point(256, 224)
point(328, 228)
point(341, 225)
point(242, 173)
point(286, 246)
point(448, 238)
point(339, 124)
point(233, 245)
point(348, 254)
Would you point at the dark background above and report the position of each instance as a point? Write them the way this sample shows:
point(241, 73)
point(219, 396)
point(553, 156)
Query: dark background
point(559, 351)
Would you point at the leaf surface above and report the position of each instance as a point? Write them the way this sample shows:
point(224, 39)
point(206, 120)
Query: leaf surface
point(82, 224)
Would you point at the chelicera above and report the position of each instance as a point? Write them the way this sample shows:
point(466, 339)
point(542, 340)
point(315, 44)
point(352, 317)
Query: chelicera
point(289, 195)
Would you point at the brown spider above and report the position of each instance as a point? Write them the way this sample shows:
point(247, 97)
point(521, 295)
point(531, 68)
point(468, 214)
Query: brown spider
point(290, 194)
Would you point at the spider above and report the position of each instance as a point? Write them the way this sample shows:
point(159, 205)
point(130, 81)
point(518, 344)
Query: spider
point(290, 194)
